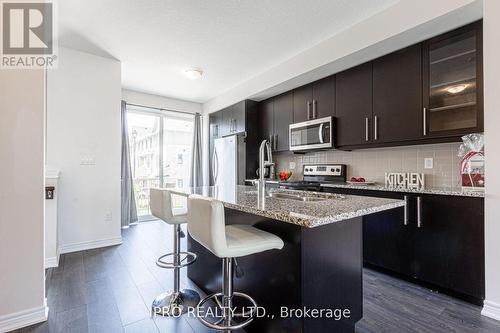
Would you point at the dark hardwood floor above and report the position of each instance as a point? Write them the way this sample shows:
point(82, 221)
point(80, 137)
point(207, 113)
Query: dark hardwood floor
point(110, 290)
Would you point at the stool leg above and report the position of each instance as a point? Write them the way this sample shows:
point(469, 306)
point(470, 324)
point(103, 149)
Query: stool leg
point(178, 301)
point(177, 249)
point(227, 289)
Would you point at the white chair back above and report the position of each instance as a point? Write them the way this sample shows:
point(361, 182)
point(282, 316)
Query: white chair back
point(206, 223)
point(160, 204)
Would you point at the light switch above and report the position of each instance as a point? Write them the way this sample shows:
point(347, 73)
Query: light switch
point(292, 166)
point(87, 160)
point(108, 217)
point(428, 163)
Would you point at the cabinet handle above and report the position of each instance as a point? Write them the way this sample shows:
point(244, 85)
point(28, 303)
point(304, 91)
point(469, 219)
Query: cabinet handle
point(315, 109)
point(425, 120)
point(271, 140)
point(275, 142)
point(308, 110)
point(234, 125)
point(375, 128)
point(367, 130)
point(405, 218)
point(419, 212)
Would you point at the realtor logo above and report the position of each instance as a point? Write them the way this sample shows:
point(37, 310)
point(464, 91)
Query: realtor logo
point(27, 34)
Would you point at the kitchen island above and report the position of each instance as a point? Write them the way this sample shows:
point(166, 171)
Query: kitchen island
point(314, 284)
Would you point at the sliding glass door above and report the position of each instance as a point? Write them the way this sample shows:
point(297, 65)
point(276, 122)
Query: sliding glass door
point(160, 153)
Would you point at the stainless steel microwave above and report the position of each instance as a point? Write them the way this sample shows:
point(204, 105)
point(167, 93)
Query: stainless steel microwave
point(312, 134)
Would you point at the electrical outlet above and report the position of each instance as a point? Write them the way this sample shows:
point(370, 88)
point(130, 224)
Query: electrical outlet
point(292, 166)
point(108, 217)
point(428, 163)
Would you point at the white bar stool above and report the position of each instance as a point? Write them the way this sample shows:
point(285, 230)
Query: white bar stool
point(206, 225)
point(178, 301)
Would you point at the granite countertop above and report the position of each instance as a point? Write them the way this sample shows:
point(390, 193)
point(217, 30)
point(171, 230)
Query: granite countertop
point(309, 214)
point(455, 191)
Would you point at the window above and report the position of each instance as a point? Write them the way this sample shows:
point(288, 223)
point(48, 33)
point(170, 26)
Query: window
point(160, 147)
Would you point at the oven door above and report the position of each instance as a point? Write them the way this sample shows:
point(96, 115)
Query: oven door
point(312, 134)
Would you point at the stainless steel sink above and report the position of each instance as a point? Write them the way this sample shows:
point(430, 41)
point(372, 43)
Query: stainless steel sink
point(279, 195)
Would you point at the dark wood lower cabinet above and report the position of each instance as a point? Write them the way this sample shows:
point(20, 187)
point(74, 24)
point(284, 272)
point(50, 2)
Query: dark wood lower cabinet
point(449, 247)
point(387, 240)
point(445, 250)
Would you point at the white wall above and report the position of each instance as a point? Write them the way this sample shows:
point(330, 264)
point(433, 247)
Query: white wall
point(22, 108)
point(491, 26)
point(161, 102)
point(83, 122)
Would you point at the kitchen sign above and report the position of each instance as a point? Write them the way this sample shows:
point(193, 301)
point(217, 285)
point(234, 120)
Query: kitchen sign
point(406, 180)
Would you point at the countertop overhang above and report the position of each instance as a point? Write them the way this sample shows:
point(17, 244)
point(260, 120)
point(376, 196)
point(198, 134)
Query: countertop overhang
point(334, 207)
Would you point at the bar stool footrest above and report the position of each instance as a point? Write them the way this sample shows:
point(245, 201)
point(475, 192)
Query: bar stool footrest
point(216, 325)
point(185, 259)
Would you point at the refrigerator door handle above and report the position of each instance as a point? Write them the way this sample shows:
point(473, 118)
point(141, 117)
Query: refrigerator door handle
point(215, 166)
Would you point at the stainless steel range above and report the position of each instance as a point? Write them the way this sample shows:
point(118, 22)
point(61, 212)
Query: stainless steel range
point(317, 174)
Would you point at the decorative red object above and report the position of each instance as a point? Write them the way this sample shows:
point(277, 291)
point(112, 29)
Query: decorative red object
point(358, 180)
point(472, 170)
point(284, 175)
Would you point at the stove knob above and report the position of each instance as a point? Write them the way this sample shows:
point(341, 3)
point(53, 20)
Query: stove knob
point(332, 170)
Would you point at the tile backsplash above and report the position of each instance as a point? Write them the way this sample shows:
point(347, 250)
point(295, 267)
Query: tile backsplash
point(372, 164)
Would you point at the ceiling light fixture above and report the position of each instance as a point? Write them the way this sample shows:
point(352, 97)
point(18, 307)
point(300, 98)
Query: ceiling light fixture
point(457, 89)
point(193, 73)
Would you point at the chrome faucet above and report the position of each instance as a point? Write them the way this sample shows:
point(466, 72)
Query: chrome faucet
point(261, 183)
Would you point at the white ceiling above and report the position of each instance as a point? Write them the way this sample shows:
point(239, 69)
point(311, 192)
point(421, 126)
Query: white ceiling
point(232, 40)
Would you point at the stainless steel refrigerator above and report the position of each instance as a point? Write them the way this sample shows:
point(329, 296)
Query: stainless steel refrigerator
point(229, 161)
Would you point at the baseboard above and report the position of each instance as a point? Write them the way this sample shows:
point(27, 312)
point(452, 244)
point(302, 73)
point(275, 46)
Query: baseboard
point(491, 310)
point(51, 262)
point(74, 247)
point(24, 318)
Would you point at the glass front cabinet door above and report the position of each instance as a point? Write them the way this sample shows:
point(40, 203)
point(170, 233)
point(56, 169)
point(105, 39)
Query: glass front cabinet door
point(453, 83)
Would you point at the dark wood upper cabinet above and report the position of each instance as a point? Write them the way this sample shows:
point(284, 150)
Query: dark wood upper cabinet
point(266, 119)
point(227, 121)
point(430, 92)
point(397, 93)
point(453, 82)
point(276, 114)
point(315, 100)
point(283, 117)
point(323, 98)
point(353, 106)
point(215, 124)
point(238, 112)
point(302, 103)
point(233, 119)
